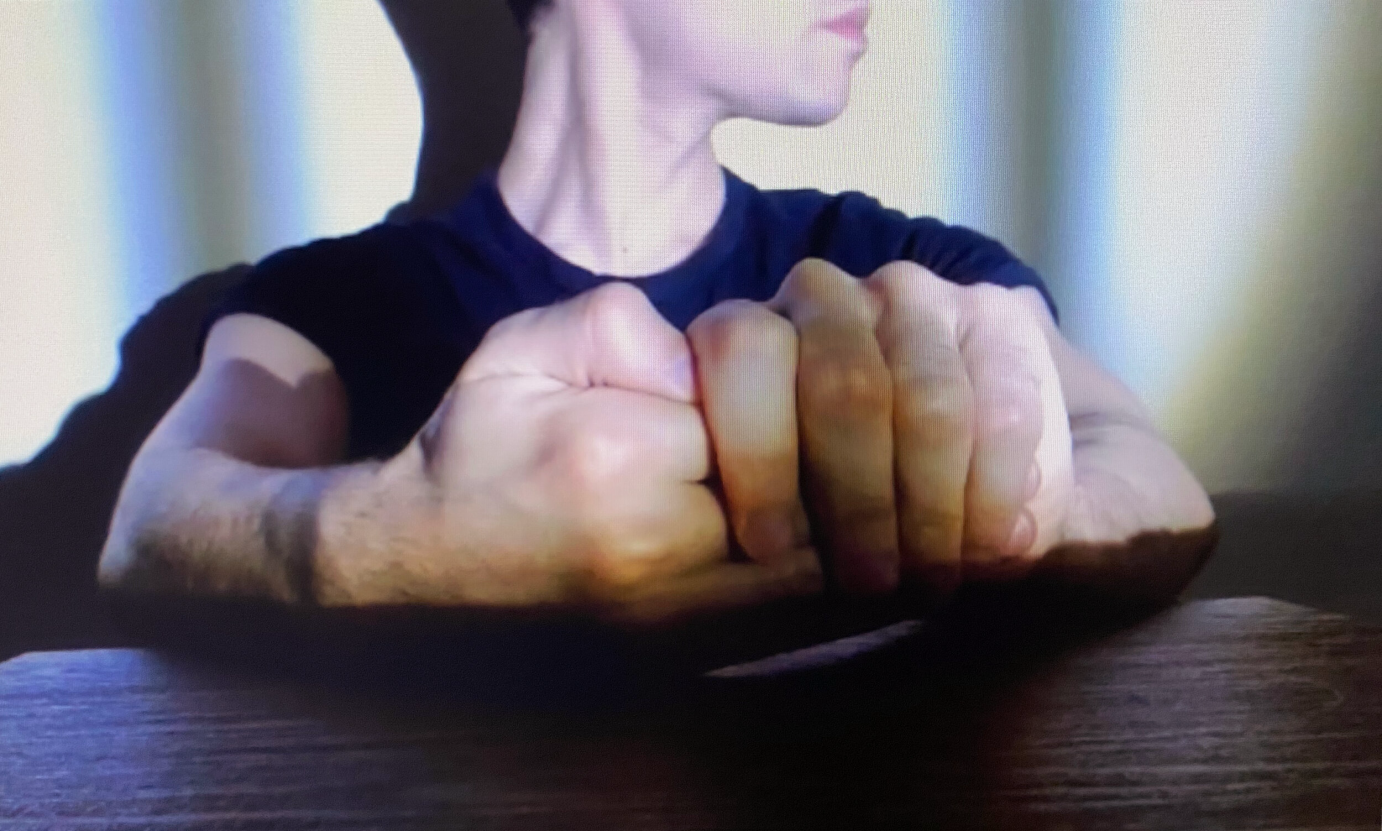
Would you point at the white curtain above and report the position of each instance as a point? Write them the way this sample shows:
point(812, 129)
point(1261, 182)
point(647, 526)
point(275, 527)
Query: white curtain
point(1187, 174)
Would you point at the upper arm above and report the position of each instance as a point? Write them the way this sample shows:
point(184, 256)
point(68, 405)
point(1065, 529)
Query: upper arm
point(264, 394)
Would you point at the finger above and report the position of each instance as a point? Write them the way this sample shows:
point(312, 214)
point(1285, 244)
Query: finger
point(609, 336)
point(649, 534)
point(918, 333)
point(720, 588)
point(746, 367)
point(1053, 479)
point(1006, 355)
point(844, 413)
point(632, 436)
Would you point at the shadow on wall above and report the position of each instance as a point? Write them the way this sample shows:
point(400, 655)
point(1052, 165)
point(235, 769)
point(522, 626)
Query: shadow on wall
point(55, 509)
point(1293, 396)
point(1290, 398)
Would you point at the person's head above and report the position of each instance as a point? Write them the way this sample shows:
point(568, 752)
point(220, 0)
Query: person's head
point(782, 61)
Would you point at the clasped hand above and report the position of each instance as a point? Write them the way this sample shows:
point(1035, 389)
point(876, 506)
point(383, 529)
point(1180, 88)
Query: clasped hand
point(923, 419)
point(893, 430)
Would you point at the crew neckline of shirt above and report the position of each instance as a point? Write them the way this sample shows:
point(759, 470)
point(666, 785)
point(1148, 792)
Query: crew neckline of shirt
point(518, 243)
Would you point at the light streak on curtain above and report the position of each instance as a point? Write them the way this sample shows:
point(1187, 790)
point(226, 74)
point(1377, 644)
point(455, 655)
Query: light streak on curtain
point(148, 141)
point(57, 240)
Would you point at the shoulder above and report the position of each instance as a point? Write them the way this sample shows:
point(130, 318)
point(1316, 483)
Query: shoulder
point(326, 271)
point(357, 256)
point(859, 234)
point(332, 290)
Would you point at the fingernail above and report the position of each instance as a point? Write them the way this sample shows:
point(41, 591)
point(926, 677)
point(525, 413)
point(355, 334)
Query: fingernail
point(1033, 482)
point(1023, 535)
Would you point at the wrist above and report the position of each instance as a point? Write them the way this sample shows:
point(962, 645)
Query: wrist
point(373, 519)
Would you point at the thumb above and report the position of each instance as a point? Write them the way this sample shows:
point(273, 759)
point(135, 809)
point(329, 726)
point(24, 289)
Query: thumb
point(610, 336)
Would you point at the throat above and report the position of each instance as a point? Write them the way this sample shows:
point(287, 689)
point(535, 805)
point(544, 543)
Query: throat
point(610, 168)
point(620, 224)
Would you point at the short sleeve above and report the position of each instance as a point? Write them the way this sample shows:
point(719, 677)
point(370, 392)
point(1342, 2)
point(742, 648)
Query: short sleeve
point(375, 305)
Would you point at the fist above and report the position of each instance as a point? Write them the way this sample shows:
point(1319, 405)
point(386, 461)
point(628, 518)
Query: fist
point(567, 465)
point(983, 459)
point(909, 429)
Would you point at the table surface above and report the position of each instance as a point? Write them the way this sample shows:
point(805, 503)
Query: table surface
point(1243, 713)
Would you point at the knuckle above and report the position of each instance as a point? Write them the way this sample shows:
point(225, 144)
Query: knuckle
point(615, 299)
point(810, 271)
point(942, 517)
point(618, 559)
point(817, 280)
point(996, 302)
point(900, 280)
point(606, 569)
point(847, 385)
point(940, 408)
point(589, 459)
point(990, 294)
point(1004, 414)
point(910, 284)
point(742, 327)
point(613, 310)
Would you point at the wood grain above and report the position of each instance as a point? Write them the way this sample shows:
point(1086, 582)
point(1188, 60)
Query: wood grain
point(1240, 714)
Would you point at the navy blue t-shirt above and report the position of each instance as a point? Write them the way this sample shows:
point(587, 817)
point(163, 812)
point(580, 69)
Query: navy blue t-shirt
point(399, 307)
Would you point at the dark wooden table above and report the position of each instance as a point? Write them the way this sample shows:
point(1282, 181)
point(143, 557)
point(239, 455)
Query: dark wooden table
point(1216, 714)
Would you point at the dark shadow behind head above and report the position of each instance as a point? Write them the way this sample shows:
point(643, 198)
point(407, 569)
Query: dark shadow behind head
point(467, 57)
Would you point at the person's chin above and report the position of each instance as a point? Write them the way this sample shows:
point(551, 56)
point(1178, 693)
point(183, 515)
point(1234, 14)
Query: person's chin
point(795, 107)
point(816, 113)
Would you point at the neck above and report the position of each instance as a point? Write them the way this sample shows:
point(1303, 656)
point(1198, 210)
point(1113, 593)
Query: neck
point(608, 167)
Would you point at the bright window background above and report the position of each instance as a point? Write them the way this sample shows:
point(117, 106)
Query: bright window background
point(1187, 174)
point(148, 141)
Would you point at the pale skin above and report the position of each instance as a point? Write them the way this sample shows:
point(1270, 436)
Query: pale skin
point(945, 433)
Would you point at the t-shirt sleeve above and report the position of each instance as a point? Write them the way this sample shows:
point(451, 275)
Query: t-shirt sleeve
point(363, 302)
point(867, 236)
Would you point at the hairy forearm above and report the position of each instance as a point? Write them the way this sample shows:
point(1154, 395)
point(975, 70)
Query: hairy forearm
point(195, 522)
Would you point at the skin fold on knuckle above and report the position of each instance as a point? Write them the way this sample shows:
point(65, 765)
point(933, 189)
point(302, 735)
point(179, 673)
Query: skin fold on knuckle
point(816, 290)
point(615, 560)
point(844, 388)
point(909, 296)
point(934, 412)
point(587, 460)
point(490, 357)
point(1007, 418)
point(618, 319)
point(994, 302)
point(899, 286)
point(744, 333)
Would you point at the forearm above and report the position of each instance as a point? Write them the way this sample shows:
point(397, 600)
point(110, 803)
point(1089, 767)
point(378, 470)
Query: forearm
point(1140, 526)
point(1129, 480)
point(195, 522)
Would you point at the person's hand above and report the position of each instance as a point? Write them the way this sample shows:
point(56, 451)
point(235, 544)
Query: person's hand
point(565, 468)
point(926, 417)
point(984, 465)
point(940, 433)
